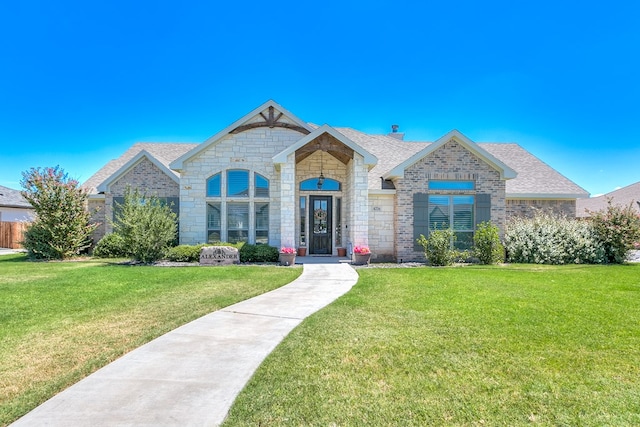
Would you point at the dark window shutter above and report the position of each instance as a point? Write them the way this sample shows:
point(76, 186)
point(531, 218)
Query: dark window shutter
point(118, 202)
point(483, 208)
point(420, 218)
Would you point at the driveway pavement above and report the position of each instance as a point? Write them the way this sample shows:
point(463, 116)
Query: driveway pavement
point(192, 375)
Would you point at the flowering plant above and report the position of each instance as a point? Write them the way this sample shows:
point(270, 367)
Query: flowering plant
point(284, 250)
point(361, 250)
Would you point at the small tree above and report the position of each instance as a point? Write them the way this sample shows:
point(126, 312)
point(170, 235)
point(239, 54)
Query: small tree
point(486, 244)
point(617, 229)
point(147, 226)
point(437, 248)
point(62, 227)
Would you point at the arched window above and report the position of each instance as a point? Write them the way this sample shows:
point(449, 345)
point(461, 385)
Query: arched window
point(327, 185)
point(262, 186)
point(238, 183)
point(213, 186)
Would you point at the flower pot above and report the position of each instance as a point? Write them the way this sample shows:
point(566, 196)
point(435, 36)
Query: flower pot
point(302, 251)
point(342, 251)
point(361, 259)
point(287, 259)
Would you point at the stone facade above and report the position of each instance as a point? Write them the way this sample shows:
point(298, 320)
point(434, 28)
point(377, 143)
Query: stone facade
point(452, 161)
point(250, 150)
point(528, 207)
point(381, 226)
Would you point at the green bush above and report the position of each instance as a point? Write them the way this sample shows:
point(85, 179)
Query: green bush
point(486, 244)
point(110, 246)
point(437, 248)
point(147, 225)
point(258, 253)
point(617, 229)
point(184, 253)
point(552, 239)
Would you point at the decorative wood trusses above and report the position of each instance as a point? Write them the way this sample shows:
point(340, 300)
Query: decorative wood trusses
point(271, 121)
point(326, 143)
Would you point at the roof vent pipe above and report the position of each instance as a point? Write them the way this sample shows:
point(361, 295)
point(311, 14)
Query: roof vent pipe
point(395, 134)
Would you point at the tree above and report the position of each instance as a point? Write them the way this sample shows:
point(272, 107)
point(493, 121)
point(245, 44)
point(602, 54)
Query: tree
point(62, 227)
point(617, 229)
point(146, 224)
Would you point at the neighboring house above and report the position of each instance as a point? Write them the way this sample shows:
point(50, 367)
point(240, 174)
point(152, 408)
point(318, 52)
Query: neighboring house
point(14, 207)
point(625, 196)
point(271, 178)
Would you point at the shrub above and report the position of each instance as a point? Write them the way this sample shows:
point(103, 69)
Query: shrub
point(437, 248)
point(258, 253)
point(62, 227)
point(147, 226)
point(486, 244)
point(617, 229)
point(551, 239)
point(110, 246)
point(184, 253)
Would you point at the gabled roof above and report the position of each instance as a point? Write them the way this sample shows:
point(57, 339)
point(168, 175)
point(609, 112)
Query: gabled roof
point(165, 153)
point(625, 196)
point(143, 154)
point(244, 120)
point(281, 157)
point(11, 198)
point(505, 171)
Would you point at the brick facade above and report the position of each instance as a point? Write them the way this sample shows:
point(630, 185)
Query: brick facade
point(528, 207)
point(452, 161)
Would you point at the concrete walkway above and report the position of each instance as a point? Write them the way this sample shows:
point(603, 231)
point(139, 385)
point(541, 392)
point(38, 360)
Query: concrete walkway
point(192, 375)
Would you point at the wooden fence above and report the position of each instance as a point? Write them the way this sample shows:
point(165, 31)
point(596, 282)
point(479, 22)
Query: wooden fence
point(11, 234)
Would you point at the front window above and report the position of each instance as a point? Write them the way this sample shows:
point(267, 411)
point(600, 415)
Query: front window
point(237, 183)
point(214, 223)
point(237, 207)
point(237, 222)
point(454, 212)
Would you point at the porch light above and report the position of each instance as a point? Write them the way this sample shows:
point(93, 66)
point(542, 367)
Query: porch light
point(321, 177)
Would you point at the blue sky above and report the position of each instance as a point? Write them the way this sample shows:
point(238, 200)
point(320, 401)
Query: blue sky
point(82, 81)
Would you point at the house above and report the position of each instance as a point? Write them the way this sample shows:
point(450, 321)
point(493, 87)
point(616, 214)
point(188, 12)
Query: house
point(14, 207)
point(272, 178)
point(625, 196)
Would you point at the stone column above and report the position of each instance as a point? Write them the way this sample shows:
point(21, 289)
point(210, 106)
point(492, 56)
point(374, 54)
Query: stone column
point(288, 202)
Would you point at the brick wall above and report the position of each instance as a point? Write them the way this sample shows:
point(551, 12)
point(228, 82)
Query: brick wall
point(452, 161)
point(528, 208)
point(144, 176)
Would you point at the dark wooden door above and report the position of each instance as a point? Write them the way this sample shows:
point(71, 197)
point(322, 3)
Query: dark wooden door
point(320, 225)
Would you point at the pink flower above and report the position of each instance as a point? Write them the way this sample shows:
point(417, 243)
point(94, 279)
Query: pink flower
point(284, 250)
point(361, 250)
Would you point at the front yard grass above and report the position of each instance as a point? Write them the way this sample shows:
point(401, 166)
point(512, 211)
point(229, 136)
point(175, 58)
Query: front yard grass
point(518, 345)
point(60, 321)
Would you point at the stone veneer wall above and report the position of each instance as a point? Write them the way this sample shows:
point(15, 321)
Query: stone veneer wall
point(452, 161)
point(146, 177)
point(381, 231)
point(357, 195)
point(252, 150)
point(528, 207)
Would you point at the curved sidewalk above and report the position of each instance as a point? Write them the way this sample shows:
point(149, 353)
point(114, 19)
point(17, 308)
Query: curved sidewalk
point(191, 375)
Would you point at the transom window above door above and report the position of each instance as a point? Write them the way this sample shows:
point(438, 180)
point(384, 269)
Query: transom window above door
point(327, 185)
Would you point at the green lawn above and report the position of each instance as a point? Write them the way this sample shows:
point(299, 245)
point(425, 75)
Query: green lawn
point(60, 321)
point(500, 346)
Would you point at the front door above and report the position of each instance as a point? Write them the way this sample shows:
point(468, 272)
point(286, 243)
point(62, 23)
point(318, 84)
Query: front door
point(320, 225)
